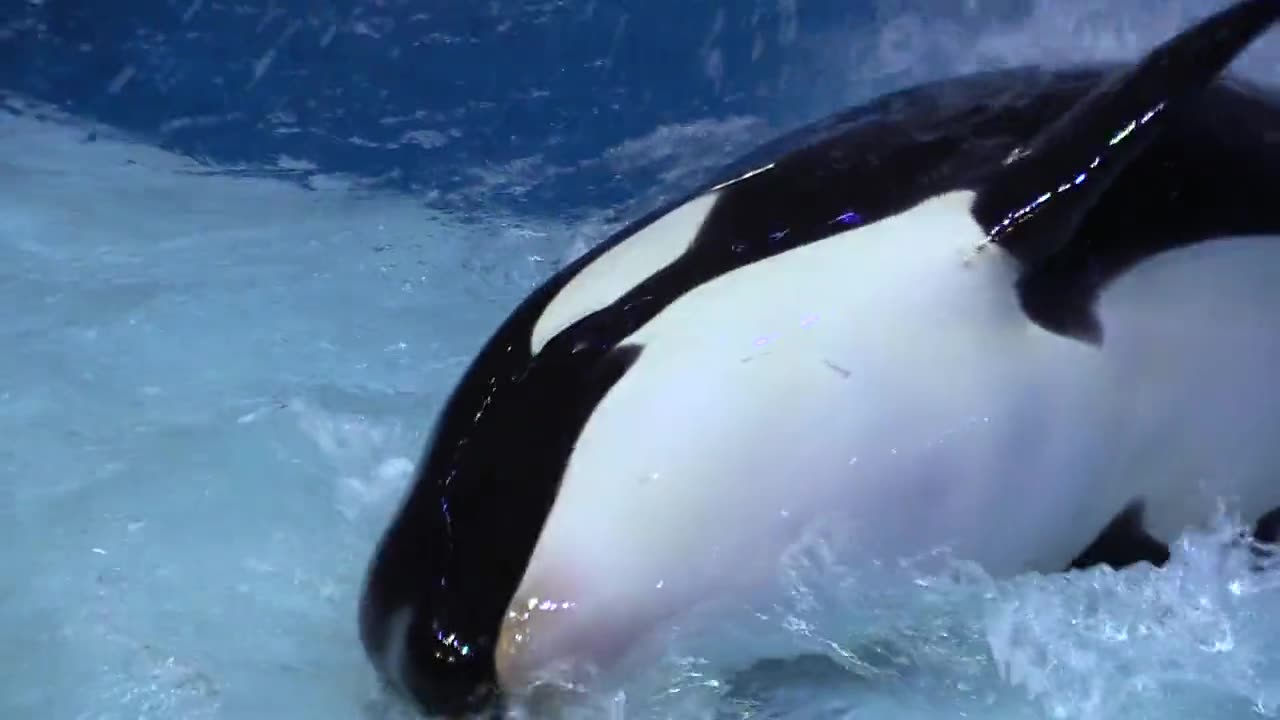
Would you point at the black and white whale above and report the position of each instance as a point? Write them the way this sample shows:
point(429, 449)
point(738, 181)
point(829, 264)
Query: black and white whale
point(1026, 315)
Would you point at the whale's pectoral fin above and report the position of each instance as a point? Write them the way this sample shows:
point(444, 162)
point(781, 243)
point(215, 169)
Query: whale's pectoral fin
point(1035, 205)
point(1212, 176)
point(1040, 201)
point(1061, 302)
point(1123, 542)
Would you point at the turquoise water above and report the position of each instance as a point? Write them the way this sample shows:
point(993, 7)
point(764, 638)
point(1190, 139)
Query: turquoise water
point(216, 384)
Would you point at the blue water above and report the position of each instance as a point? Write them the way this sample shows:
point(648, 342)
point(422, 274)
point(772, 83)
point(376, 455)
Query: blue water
point(247, 247)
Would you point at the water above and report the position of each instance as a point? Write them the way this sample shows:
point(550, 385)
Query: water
point(216, 382)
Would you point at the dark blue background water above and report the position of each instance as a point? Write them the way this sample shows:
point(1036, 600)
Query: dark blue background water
point(499, 79)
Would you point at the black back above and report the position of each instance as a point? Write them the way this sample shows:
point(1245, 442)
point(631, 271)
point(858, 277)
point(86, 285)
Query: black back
point(458, 547)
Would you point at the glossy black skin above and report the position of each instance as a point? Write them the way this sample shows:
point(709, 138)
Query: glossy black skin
point(458, 547)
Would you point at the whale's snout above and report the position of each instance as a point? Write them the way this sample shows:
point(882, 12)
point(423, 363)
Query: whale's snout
point(561, 631)
point(428, 644)
point(436, 671)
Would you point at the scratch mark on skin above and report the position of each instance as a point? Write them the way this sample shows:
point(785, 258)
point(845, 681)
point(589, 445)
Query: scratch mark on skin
point(842, 372)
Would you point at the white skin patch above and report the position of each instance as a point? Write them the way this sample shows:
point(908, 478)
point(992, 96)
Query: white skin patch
point(622, 267)
point(889, 375)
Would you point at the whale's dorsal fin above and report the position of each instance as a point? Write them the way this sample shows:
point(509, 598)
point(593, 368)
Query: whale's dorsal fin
point(1037, 201)
point(1035, 204)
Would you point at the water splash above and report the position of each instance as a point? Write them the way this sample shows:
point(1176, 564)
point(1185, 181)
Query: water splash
point(1188, 640)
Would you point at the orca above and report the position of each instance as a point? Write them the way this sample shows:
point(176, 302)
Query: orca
point(1026, 315)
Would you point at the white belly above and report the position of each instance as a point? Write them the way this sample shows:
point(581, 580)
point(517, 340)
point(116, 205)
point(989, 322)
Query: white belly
point(877, 377)
point(1193, 354)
